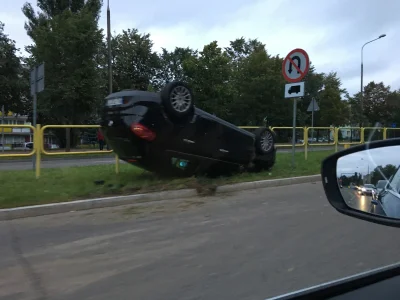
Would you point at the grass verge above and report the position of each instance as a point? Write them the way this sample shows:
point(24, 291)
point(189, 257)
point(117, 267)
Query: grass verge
point(50, 157)
point(19, 188)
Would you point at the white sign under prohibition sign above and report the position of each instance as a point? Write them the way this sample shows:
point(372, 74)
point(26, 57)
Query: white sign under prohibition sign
point(295, 66)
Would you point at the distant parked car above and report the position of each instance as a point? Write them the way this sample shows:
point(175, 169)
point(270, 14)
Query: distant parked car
point(28, 146)
point(165, 133)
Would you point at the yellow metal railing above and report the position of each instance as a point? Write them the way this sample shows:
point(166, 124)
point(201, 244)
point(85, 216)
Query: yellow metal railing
point(385, 132)
point(75, 152)
point(3, 127)
point(330, 129)
point(289, 143)
point(351, 128)
point(39, 149)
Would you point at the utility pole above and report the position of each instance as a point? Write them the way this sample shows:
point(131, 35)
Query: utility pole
point(109, 47)
point(2, 123)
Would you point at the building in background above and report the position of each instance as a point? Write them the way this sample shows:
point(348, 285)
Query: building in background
point(10, 135)
point(16, 137)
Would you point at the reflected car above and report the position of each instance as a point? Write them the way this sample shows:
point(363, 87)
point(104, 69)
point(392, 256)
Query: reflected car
point(380, 185)
point(166, 134)
point(367, 190)
point(389, 196)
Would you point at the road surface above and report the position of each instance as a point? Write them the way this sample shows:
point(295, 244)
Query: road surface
point(249, 245)
point(361, 202)
point(355, 200)
point(71, 161)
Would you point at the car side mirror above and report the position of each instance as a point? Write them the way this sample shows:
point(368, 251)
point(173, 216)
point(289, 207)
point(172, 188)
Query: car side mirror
point(364, 166)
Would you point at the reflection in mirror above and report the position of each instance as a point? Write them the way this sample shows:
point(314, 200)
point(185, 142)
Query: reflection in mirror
point(369, 180)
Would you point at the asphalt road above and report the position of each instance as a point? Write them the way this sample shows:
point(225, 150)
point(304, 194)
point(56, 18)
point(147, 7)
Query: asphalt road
point(71, 161)
point(356, 201)
point(249, 245)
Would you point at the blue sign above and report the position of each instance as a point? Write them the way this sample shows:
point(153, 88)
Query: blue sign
point(393, 125)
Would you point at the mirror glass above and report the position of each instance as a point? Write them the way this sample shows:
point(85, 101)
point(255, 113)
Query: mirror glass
point(369, 180)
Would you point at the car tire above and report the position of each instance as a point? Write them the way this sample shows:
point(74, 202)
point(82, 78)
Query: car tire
point(265, 140)
point(177, 99)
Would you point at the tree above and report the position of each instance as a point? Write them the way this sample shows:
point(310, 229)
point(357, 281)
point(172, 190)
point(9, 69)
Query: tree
point(393, 103)
point(356, 116)
point(67, 38)
point(13, 87)
point(134, 62)
point(256, 85)
point(382, 173)
point(333, 110)
point(208, 74)
point(314, 84)
point(171, 66)
point(376, 107)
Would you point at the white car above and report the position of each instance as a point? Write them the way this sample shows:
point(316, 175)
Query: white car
point(367, 189)
point(28, 146)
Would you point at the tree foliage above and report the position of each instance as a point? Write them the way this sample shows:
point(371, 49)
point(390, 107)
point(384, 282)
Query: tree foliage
point(13, 87)
point(382, 173)
point(66, 37)
point(134, 62)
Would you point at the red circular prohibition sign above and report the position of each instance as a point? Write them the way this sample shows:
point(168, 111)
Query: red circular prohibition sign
point(302, 73)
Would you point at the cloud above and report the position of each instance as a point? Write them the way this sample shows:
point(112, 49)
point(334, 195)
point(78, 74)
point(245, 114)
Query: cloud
point(332, 32)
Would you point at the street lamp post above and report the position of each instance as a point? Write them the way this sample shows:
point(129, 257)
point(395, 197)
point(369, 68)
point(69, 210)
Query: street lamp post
point(109, 47)
point(362, 75)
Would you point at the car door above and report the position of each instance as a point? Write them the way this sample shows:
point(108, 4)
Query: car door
point(184, 136)
point(205, 136)
point(236, 144)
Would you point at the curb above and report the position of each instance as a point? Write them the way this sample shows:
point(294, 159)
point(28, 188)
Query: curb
point(56, 208)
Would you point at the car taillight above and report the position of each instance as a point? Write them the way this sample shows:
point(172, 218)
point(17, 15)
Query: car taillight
point(143, 132)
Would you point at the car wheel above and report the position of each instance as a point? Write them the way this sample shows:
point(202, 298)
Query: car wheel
point(177, 99)
point(265, 140)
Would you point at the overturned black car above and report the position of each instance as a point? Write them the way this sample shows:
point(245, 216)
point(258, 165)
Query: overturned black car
point(166, 134)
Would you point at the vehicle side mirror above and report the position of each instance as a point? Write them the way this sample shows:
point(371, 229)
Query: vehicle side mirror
point(363, 166)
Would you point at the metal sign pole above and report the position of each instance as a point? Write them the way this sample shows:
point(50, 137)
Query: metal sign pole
point(3, 129)
point(312, 122)
point(294, 132)
point(34, 116)
point(37, 86)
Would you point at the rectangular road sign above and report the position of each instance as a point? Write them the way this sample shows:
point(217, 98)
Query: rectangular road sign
point(294, 90)
point(37, 79)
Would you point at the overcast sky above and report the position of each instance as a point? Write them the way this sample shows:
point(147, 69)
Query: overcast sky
point(359, 161)
point(332, 32)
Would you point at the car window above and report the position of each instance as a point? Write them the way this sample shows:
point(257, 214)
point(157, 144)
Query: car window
point(369, 186)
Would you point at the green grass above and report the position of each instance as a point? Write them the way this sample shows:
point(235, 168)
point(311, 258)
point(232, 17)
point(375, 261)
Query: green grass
point(47, 157)
point(20, 188)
